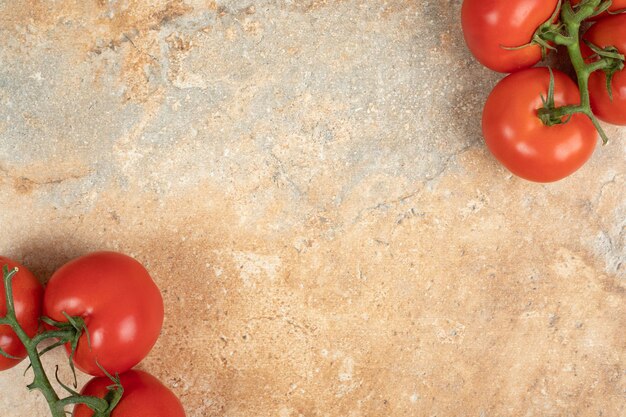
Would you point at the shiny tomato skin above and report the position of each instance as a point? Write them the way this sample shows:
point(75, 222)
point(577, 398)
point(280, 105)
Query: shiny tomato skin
point(490, 25)
point(144, 396)
point(27, 299)
point(120, 304)
point(610, 31)
point(518, 138)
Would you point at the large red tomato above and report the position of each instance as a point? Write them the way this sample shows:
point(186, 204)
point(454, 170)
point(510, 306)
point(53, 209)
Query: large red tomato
point(491, 25)
point(610, 31)
point(120, 304)
point(144, 396)
point(27, 299)
point(521, 141)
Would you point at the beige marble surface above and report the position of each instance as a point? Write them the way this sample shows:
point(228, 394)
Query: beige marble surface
point(307, 182)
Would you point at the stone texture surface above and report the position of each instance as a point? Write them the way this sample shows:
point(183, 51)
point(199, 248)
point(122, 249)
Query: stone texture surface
point(307, 182)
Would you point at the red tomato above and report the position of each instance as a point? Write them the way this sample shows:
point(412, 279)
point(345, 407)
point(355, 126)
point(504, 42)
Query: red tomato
point(120, 304)
point(144, 396)
point(521, 141)
point(27, 299)
point(490, 25)
point(610, 31)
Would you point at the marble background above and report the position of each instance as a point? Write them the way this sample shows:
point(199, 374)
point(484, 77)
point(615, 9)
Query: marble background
point(307, 182)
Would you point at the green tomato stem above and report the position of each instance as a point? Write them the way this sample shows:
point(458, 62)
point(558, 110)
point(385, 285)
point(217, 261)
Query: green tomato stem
point(41, 381)
point(102, 407)
point(65, 335)
point(99, 405)
point(571, 21)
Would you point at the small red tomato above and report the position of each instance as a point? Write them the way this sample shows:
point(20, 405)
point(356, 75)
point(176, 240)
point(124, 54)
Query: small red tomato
point(144, 396)
point(521, 141)
point(27, 299)
point(610, 31)
point(491, 26)
point(120, 304)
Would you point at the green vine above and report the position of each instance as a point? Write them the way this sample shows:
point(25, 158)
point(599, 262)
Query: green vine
point(567, 33)
point(65, 333)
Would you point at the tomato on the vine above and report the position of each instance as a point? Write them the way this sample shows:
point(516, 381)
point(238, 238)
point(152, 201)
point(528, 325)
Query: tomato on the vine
point(610, 31)
point(491, 27)
point(144, 396)
point(27, 299)
point(119, 303)
point(521, 141)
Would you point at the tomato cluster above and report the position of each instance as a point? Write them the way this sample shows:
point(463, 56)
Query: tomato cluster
point(121, 311)
point(537, 122)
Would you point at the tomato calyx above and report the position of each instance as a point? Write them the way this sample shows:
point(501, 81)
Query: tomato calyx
point(604, 6)
point(102, 407)
point(66, 332)
point(548, 114)
point(113, 395)
point(612, 58)
point(607, 59)
point(584, 10)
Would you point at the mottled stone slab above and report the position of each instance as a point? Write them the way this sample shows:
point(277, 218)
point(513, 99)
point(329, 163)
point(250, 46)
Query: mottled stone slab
point(307, 182)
